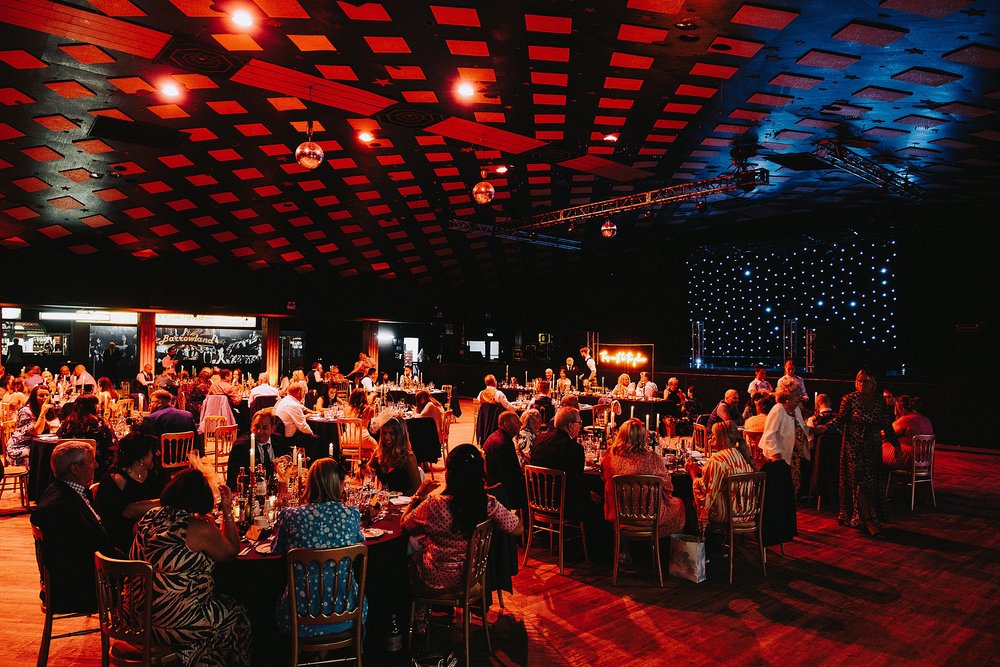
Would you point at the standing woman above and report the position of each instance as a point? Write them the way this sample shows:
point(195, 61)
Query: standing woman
point(784, 442)
point(863, 418)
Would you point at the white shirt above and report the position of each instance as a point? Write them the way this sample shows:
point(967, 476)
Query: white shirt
point(760, 386)
point(368, 383)
point(649, 390)
point(263, 390)
point(293, 415)
point(779, 433)
point(591, 366)
point(497, 398)
point(143, 379)
point(83, 379)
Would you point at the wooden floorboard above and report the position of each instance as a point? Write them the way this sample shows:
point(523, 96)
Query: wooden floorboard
point(929, 594)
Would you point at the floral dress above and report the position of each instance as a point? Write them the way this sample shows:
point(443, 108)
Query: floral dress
point(19, 445)
point(319, 526)
point(204, 628)
point(861, 475)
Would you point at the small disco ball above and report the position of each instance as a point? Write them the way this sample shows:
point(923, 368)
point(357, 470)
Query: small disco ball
point(309, 154)
point(483, 192)
point(609, 229)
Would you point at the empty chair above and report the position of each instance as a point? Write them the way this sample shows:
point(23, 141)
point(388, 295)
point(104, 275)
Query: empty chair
point(352, 441)
point(475, 420)
point(320, 599)
point(744, 498)
point(699, 439)
point(546, 490)
point(601, 415)
point(174, 450)
point(637, 511)
point(125, 601)
point(425, 441)
point(921, 470)
point(225, 436)
point(472, 591)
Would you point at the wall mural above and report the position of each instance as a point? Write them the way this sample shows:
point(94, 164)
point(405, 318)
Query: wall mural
point(196, 347)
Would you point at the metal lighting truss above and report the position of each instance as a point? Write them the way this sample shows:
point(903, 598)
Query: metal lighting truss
point(836, 155)
point(499, 232)
point(745, 180)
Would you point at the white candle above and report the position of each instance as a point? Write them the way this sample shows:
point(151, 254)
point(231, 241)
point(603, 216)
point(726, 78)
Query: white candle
point(657, 421)
point(632, 413)
point(331, 450)
point(526, 378)
point(140, 402)
point(253, 452)
point(647, 422)
point(300, 466)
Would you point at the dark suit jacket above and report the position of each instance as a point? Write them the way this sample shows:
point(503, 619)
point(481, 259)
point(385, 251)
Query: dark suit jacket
point(71, 536)
point(556, 449)
point(239, 457)
point(502, 468)
point(167, 420)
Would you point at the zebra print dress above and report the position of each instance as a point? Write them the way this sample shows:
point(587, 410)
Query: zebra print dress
point(204, 628)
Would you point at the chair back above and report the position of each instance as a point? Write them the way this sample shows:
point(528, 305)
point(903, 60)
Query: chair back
point(637, 503)
point(216, 404)
point(446, 420)
point(6, 431)
point(475, 419)
point(699, 439)
point(43, 571)
point(320, 581)
point(923, 456)
point(343, 389)
point(225, 436)
point(126, 388)
point(124, 406)
point(174, 449)
point(744, 496)
point(351, 432)
point(486, 422)
point(261, 402)
point(601, 414)
point(209, 425)
point(546, 489)
point(125, 601)
point(425, 441)
point(447, 389)
point(477, 557)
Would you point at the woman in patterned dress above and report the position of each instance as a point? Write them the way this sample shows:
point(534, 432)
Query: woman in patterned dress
point(443, 523)
point(726, 460)
point(182, 543)
point(863, 418)
point(323, 523)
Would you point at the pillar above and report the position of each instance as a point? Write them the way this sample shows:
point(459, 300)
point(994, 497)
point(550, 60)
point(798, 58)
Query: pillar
point(147, 341)
point(369, 339)
point(271, 346)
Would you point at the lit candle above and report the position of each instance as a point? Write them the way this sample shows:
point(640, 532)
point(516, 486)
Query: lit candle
point(525, 378)
point(647, 422)
point(632, 413)
point(300, 466)
point(140, 402)
point(253, 452)
point(657, 421)
point(331, 450)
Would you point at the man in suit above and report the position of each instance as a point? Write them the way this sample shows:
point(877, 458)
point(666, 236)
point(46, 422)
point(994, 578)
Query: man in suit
point(71, 529)
point(559, 449)
point(164, 418)
point(502, 466)
point(269, 446)
point(112, 358)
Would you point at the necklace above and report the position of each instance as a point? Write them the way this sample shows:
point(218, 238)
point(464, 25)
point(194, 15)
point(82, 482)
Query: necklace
point(140, 476)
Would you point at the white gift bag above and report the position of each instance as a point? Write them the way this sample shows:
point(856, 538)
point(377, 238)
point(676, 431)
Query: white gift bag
point(687, 557)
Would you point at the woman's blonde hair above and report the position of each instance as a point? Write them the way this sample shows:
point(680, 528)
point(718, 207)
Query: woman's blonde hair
point(625, 379)
point(400, 452)
point(722, 435)
point(631, 438)
point(527, 415)
point(323, 481)
point(787, 387)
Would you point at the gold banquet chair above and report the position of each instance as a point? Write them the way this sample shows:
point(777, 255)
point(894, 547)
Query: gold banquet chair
point(224, 436)
point(125, 602)
point(744, 498)
point(637, 511)
point(546, 510)
point(311, 609)
point(174, 450)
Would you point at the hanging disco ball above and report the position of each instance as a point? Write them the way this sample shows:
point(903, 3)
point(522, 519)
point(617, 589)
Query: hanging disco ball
point(483, 192)
point(609, 229)
point(309, 154)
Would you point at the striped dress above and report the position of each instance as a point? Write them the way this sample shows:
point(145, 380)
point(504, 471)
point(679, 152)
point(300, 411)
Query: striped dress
point(708, 487)
point(204, 628)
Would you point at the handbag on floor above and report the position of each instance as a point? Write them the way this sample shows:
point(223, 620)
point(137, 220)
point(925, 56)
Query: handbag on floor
point(687, 557)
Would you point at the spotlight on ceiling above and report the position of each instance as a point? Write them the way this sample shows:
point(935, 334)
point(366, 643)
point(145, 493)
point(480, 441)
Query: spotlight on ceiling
point(701, 206)
point(242, 18)
point(687, 24)
point(466, 90)
point(366, 137)
point(609, 229)
point(483, 191)
point(611, 136)
point(502, 169)
point(170, 90)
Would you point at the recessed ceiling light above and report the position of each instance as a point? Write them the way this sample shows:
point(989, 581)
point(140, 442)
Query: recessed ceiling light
point(170, 90)
point(502, 169)
point(612, 136)
point(366, 137)
point(686, 25)
point(242, 18)
point(466, 89)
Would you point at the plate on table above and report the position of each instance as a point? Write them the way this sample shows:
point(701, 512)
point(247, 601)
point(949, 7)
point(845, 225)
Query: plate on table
point(399, 501)
point(264, 548)
point(48, 436)
point(372, 533)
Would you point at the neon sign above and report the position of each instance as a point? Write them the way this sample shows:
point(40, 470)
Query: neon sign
point(623, 357)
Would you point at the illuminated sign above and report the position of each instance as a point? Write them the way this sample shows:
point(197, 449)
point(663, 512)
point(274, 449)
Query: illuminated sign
point(625, 356)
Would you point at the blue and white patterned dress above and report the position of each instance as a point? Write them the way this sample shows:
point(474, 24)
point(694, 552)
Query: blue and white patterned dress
point(319, 526)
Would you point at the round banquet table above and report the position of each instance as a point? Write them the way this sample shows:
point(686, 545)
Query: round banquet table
point(409, 396)
point(257, 581)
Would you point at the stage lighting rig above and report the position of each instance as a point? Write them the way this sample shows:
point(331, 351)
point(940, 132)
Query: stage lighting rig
point(499, 232)
point(836, 155)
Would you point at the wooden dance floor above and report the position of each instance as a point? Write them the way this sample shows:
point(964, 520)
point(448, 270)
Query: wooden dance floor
point(928, 594)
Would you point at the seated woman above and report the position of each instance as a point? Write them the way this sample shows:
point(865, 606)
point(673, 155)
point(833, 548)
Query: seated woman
point(531, 426)
point(34, 418)
point(427, 406)
point(909, 422)
point(625, 388)
point(358, 407)
point(84, 422)
point(182, 543)
point(327, 399)
point(563, 384)
point(128, 490)
point(106, 394)
point(393, 462)
point(629, 455)
point(707, 483)
point(322, 523)
point(15, 398)
point(443, 523)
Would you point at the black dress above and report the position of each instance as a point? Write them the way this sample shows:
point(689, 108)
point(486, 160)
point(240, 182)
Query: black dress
point(112, 501)
point(393, 479)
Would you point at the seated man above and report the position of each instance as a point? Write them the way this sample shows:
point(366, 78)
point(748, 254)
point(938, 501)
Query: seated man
point(167, 381)
point(34, 378)
point(269, 446)
point(263, 387)
point(164, 418)
point(502, 466)
point(728, 410)
point(224, 386)
point(493, 395)
point(292, 413)
point(406, 380)
point(83, 382)
point(71, 529)
point(646, 388)
point(559, 449)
